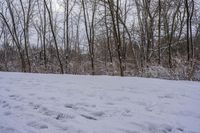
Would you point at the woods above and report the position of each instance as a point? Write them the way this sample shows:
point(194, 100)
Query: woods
point(150, 38)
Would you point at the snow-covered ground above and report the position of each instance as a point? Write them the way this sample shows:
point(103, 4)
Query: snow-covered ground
point(36, 103)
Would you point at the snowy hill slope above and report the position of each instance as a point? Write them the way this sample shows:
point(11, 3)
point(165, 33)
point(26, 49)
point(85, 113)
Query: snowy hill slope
point(36, 103)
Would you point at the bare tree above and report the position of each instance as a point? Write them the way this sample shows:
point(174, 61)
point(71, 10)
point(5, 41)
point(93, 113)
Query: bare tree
point(159, 31)
point(116, 31)
point(12, 27)
point(89, 28)
point(188, 29)
point(54, 36)
point(26, 23)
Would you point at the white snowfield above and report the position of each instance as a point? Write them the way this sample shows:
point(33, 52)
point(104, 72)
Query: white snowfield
point(39, 103)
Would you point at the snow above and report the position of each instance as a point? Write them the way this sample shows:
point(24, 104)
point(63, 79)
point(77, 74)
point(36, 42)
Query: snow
point(39, 103)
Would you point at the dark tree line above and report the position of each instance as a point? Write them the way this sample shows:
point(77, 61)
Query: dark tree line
point(114, 37)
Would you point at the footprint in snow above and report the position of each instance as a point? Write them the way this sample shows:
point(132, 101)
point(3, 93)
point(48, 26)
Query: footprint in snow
point(88, 117)
point(37, 125)
point(8, 130)
point(71, 106)
point(126, 113)
point(6, 105)
point(45, 111)
point(16, 97)
point(50, 113)
point(7, 113)
point(18, 107)
point(164, 128)
point(8, 90)
point(34, 106)
point(98, 114)
point(61, 116)
point(168, 96)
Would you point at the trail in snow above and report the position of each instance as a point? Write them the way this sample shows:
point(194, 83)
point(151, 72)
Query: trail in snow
point(36, 103)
